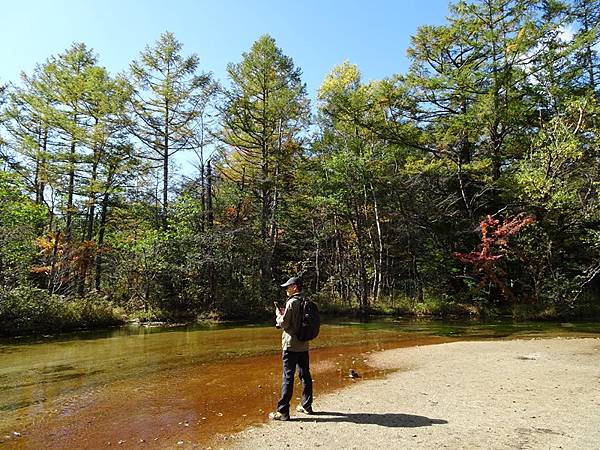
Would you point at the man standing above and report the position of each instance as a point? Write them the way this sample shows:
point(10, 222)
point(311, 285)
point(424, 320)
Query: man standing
point(295, 353)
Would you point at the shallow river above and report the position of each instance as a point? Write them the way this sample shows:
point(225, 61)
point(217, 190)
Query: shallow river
point(137, 387)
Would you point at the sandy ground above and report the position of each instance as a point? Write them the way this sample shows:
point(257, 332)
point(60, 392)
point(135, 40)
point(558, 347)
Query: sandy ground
point(540, 394)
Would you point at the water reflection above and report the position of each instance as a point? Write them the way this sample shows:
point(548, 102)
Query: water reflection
point(474, 328)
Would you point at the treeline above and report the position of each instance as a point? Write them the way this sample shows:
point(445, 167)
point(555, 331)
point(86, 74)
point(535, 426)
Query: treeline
point(467, 185)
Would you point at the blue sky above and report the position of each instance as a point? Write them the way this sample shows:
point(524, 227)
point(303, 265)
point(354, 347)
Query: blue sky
point(316, 34)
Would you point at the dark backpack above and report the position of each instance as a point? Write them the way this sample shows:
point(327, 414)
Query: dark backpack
point(310, 321)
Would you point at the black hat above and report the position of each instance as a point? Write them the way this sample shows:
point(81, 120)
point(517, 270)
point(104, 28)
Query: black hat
point(294, 280)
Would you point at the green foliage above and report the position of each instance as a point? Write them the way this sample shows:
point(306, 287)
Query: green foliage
point(20, 220)
point(25, 310)
point(149, 315)
point(550, 177)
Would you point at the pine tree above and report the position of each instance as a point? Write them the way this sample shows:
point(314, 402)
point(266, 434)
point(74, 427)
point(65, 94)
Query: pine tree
point(263, 115)
point(168, 97)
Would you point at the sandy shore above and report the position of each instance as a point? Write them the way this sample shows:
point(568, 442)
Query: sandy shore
point(541, 394)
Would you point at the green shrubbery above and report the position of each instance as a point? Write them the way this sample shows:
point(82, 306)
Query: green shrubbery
point(401, 305)
point(26, 310)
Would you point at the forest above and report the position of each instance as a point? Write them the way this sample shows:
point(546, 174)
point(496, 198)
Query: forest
point(466, 187)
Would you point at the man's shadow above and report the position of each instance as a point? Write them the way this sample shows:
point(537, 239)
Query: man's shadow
point(385, 420)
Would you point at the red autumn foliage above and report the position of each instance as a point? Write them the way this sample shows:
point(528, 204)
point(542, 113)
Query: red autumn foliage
point(494, 236)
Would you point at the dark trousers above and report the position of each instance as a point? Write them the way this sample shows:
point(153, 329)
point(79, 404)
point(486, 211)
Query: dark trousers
point(291, 360)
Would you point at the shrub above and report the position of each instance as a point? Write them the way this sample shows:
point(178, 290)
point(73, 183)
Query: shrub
point(28, 310)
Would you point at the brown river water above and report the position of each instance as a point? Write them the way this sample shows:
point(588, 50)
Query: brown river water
point(173, 388)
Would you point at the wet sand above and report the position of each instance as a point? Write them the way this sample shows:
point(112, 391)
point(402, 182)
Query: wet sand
point(521, 394)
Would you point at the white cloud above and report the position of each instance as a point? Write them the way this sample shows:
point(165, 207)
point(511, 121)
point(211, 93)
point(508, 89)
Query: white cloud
point(566, 33)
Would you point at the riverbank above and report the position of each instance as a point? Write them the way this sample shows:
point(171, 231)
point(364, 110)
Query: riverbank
point(538, 393)
point(30, 312)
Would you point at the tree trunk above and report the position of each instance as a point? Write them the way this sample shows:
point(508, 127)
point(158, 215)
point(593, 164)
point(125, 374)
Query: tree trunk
point(338, 262)
point(461, 184)
point(275, 200)
point(265, 260)
point(165, 193)
point(317, 259)
point(70, 192)
point(589, 55)
point(40, 169)
point(211, 275)
point(101, 230)
point(418, 285)
point(92, 199)
point(378, 278)
point(91, 216)
point(209, 196)
point(362, 264)
point(52, 279)
point(203, 193)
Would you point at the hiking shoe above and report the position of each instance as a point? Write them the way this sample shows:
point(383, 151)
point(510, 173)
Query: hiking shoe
point(303, 410)
point(278, 416)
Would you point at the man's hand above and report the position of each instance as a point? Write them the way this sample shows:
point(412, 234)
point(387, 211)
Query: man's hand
point(278, 314)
